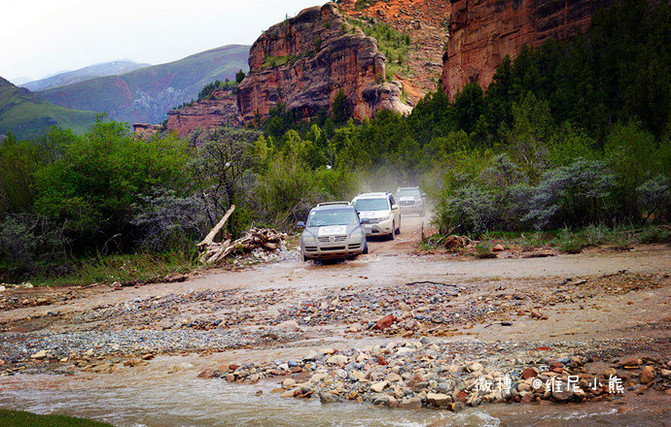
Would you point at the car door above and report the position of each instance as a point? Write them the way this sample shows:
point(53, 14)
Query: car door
point(395, 210)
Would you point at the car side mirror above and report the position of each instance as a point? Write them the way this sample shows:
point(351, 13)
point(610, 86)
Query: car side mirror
point(301, 224)
point(394, 207)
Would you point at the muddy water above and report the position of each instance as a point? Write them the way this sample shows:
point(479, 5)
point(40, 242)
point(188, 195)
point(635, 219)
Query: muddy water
point(192, 402)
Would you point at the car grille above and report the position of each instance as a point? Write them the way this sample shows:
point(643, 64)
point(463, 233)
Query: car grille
point(310, 249)
point(333, 248)
point(354, 246)
point(327, 239)
point(407, 202)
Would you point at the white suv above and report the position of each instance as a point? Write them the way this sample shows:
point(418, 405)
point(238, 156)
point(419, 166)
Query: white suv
point(380, 212)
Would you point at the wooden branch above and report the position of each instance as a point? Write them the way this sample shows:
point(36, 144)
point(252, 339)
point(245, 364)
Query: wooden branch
point(210, 237)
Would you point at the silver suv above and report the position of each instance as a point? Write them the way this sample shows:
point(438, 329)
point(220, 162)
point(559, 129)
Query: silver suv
point(411, 199)
point(381, 213)
point(332, 230)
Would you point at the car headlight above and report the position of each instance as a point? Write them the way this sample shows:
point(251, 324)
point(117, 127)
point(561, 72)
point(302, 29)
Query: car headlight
point(308, 238)
point(356, 236)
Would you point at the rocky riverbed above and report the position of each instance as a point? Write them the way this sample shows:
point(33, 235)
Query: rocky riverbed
point(347, 332)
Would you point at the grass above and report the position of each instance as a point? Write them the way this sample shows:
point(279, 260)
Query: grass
point(125, 269)
point(10, 418)
point(25, 114)
point(564, 240)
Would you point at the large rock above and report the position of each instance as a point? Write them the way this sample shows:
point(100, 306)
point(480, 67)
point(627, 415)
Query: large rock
point(219, 109)
point(482, 33)
point(305, 61)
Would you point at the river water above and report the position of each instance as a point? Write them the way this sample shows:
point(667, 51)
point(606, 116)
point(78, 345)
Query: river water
point(193, 402)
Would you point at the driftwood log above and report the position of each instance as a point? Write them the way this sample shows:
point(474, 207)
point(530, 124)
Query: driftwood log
point(212, 252)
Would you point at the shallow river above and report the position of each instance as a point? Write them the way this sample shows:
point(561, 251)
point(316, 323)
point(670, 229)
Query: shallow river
point(193, 402)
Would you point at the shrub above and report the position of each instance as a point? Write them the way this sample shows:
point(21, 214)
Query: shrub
point(577, 194)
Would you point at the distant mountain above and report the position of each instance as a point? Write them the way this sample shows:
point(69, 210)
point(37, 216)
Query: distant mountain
point(70, 77)
point(19, 81)
point(25, 114)
point(146, 95)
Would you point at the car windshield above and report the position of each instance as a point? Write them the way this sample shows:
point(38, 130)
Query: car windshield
point(332, 217)
point(408, 192)
point(371, 204)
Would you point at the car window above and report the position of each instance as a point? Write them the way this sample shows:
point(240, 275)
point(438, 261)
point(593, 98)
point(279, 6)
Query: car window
point(332, 217)
point(380, 204)
point(392, 201)
point(409, 192)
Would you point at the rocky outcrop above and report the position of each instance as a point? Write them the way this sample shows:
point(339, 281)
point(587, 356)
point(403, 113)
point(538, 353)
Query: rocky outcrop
point(305, 61)
point(219, 109)
point(483, 32)
point(146, 130)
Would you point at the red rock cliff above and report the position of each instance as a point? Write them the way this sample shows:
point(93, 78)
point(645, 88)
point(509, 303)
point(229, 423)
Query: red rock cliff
point(220, 109)
point(483, 32)
point(305, 61)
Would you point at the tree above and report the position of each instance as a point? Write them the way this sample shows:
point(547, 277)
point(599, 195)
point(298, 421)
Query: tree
point(239, 76)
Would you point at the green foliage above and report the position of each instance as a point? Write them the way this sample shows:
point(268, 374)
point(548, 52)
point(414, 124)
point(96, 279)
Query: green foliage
point(208, 89)
point(577, 194)
point(24, 114)
point(394, 45)
point(239, 76)
point(93, 188)
point(11, 418)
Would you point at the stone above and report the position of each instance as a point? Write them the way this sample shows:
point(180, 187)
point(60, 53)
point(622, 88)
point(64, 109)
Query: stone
point(325, 59)
point(476, 367)
point(328, 397)
point(39, 355)
point(288, 393)
point(564, 394)
point(337, 359)
point(556, 366)
point(288, 383)
point(498, 248)
point(379, 386)
point(458, 406)
point(327, 350)
point(312, 355)
point(631, 363)
point(206, 374)
point(393, 378)
point(219, 109)
point(439, 399)
point(411, 403)
point(647, 375)
point(608, 373)
point(384, 322)
point(529, 373)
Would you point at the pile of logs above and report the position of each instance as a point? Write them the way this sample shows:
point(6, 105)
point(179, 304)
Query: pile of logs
point(212, 252)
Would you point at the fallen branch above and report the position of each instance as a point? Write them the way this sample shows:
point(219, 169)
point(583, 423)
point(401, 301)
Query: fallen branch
point(211, 235)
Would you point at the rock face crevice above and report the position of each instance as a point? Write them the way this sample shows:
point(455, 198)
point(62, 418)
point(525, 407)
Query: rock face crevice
point(483, 32)
point(305, 61)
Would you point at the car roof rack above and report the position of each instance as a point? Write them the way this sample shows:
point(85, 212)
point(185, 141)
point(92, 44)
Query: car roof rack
point(333, 204)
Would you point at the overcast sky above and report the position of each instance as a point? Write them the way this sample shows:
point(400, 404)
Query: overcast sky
point(43, 37)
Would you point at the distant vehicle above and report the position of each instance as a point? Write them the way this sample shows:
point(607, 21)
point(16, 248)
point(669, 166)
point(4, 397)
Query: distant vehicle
point(411, 199)
point(381, 212)
point(333, 230)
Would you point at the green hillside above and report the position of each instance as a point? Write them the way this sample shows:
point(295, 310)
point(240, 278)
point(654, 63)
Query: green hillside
point(147, 94)
point(25, 114)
